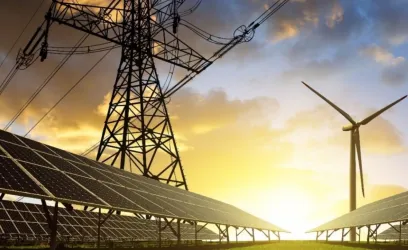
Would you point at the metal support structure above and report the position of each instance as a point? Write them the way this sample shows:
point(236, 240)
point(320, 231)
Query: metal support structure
point(269, 235)
point(371, 233)
point(253, 235)
point(236, 234)
point(160, 235)
point(400, 232)
point(344, 234)
point(227, 231)
point(52, 223)
point(359, 234)
point(277, 234)
point(100, 223)
point(195, 234)
point(69, 207)
point(223, 233)
point(137, 133)
point(368, 234)
point(330, 234)
point(266, 234)
point(318, 234)
point(250, 234)
point(177, 232)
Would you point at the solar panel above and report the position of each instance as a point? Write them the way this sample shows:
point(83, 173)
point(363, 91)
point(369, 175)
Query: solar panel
point(22, 153)
point(77, 224)
point(78, 180)
point(13, 178)
point(35, 145)
point(63, 165)
point(5, 136)
point(109, 194)
point(392, 234)
point(390, 209)
point(64, 154)
point(59, 184)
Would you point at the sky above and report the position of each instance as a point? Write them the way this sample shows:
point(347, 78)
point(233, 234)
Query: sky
point(249, 133)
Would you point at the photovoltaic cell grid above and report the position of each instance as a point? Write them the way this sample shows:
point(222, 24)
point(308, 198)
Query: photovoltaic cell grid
point(391, 209)
point(78, 180)
point(392, 234)
point(28, 220)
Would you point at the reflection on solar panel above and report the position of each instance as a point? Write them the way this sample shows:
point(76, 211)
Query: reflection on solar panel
point(27, 220)
point(391, 209)
point(32, 169)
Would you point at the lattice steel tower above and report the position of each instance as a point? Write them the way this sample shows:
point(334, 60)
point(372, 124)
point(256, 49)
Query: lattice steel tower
point(137, 133)
point(137, 125)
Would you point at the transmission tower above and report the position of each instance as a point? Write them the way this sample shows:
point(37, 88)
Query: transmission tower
point(137, 133)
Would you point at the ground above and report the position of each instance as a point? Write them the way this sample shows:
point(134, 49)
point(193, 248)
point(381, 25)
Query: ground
point(317, 246)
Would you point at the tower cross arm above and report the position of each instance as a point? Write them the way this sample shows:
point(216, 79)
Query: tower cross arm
point(106, 23)
point(95, 20)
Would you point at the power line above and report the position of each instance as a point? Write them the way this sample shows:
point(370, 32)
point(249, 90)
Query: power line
point(92, 148)
point(69, 91)
point(8, 78)
point(22, 32)
point(48, 79)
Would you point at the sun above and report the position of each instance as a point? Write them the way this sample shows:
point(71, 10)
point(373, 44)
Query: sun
point(291, 208)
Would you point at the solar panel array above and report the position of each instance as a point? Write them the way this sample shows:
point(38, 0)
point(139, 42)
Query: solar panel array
point(392, 234)
point(26, 220)
point(32, 169)
point(391, 209)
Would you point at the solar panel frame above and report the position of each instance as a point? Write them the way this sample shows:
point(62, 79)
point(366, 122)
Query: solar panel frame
point(161, 192)
point(30, 188)
point(388, 210)
point(9, 137)
point(64, 187)
point(63, 165)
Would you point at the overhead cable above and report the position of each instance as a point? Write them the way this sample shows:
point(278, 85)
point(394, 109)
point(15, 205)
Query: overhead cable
point(42, 86)
point(68, 92)
point(22, 32)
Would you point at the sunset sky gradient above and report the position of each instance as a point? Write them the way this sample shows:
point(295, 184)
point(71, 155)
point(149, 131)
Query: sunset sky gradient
point(250, 134)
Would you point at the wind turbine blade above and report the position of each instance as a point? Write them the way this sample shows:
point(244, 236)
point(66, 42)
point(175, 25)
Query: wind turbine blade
point(358, 147)
point(347, 116)
point(371, 117)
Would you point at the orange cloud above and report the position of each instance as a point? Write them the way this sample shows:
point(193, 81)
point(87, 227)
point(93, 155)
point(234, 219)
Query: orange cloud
point(382, 56)
point(336, 16)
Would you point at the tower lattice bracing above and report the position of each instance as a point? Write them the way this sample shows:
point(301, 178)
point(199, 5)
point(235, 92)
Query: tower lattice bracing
point(137, 133)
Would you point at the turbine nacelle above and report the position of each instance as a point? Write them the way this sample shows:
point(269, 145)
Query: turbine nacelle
point(350, 127)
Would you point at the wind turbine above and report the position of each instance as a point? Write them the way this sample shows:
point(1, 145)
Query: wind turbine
point(354, 145)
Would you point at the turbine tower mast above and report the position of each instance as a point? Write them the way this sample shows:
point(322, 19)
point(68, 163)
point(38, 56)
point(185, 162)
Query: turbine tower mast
point(137, 133)
point(354, 145)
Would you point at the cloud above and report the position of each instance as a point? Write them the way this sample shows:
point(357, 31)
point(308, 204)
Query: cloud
point(389, 18)
point(382, 55)
point(335, 17)
point(395, 75)
point(285, 30)
point(395, 71)
point(201, 113)
point(318, 69)
point(380, 136)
